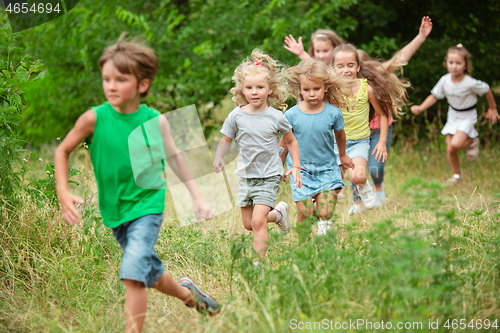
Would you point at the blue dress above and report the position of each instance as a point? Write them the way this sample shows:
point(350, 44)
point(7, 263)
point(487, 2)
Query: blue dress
point(314, 133)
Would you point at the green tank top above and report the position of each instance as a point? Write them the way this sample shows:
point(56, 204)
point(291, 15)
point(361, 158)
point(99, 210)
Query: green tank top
point(128, 158)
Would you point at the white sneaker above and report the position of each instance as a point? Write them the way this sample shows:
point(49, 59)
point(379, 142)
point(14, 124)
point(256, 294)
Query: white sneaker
point(322, 225)
point(354, 209)
point(284, 224)
point(366, 194)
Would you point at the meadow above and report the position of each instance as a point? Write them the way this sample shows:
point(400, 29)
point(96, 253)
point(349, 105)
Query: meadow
point(430, 255)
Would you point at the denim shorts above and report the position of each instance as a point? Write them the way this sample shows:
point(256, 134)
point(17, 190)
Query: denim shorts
point(258, 191)
point(355, 148)
point(137, 239)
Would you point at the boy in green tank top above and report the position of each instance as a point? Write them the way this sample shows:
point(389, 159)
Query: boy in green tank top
point(132, 210)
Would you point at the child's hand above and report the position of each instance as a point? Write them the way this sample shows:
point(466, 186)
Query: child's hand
point(293, 46)
point(381, 151)
point(425, 27)
point(347, 162)
point(416, 109)
point(218, 165)
point(492, 115)
point(202, 210)
point(297, 179)
point(69, 212)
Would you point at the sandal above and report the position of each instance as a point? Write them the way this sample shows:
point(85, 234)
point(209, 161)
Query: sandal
point(473, 150)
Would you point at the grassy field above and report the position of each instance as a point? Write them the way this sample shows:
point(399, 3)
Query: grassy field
point(430, 254)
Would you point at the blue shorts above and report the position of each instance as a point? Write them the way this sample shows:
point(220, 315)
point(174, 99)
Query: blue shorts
point(315, 183)
point(355, 148)
point(137, 239)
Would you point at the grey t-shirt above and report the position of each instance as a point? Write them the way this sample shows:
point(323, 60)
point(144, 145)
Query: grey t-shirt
point(257, 140)
point(460, 95)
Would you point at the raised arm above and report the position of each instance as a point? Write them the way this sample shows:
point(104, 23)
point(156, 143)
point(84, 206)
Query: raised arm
point(405, 54)
point(296, 47)
point(84, 127)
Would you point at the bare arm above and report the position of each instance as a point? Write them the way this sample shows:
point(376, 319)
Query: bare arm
point(222, 150)
point(285, 149)
point(492, 114)
point(340, 138)
point(429, 101)
point(84, 127)
point(202, 210)
point(296, 47)
point(293, 148)
point(405, 54)
point(380, 149)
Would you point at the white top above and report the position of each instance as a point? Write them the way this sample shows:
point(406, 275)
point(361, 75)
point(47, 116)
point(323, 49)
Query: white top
point(461, 95)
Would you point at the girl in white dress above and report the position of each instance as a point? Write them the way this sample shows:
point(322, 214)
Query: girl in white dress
point(461, 91)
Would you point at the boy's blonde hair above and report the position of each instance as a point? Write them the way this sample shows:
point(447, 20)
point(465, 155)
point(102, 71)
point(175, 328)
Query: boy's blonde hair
point(261, 64)
point(460, 49)
point(129, 57)
point(337, 88)
point(324, 35)
point(389, 89)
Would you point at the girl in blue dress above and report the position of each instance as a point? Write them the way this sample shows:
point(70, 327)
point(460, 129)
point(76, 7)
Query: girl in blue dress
point(313, 119)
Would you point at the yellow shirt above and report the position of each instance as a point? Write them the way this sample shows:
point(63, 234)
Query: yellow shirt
point(356, 119)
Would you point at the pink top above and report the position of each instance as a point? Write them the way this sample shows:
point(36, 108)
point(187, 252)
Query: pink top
point(374, 124)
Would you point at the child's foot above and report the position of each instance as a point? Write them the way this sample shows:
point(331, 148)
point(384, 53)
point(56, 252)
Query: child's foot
point(284, 223)
point(473, 150)
point(366, 194)
point(456, 179)
point(204, 303)
point(355, 209)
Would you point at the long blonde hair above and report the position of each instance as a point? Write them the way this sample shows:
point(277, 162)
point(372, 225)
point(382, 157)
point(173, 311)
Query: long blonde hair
point(262, 64)
point(389, 89)
point(337, 87)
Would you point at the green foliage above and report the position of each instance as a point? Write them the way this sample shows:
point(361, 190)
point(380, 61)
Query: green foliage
point(17, 72)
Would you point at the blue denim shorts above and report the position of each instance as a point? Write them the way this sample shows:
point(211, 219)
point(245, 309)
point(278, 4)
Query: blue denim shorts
point(258, 191)
point(355, 148)
point(137, 239)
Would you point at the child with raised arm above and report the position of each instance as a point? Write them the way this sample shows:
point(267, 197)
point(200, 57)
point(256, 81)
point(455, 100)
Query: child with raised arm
point(461, 91)
point(134, 213)
point(313, 122)
point(346, 64)
point(255, 126)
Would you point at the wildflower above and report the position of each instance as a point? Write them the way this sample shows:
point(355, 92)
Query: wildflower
point(40, 159)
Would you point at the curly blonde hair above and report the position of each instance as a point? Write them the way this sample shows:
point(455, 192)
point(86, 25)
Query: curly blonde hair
point(260, 63)
point(337, 87)
point(463, 52)
point(324, 35)
point(389, 89)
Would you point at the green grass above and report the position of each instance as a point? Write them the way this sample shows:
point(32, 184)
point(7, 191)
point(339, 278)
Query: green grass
point(431, 253)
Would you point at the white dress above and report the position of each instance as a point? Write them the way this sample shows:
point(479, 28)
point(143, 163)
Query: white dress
point(462, 100)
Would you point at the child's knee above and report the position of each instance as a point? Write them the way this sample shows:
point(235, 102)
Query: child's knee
point(359, 179)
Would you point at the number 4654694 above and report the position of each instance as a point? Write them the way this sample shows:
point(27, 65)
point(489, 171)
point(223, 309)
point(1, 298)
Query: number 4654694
point(477, 324)
point(35, 8)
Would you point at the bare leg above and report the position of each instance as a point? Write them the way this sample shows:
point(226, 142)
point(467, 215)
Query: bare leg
point(325, 203)
point(136, 304)
point(303, 211)
point(259, 227)
point(454, 143)
point(168, 286)
point(358, 175)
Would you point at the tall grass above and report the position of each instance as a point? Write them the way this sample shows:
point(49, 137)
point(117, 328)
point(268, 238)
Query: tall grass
point(431, 253)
